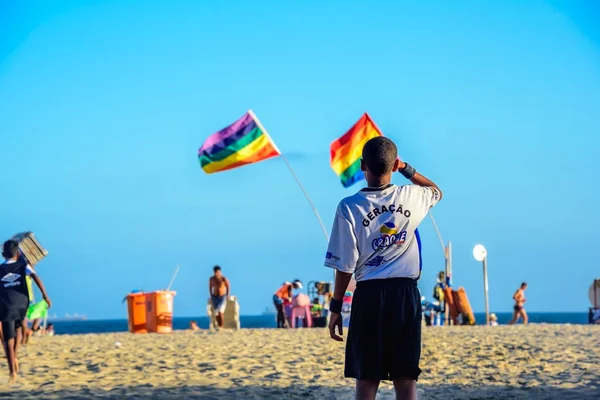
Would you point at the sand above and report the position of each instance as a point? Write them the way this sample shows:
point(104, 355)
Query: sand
point(528, 362)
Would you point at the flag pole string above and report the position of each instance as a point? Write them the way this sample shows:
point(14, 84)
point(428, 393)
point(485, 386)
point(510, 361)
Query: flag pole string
point(289, 166)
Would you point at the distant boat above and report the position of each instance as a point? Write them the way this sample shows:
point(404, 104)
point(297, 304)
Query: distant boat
point(269, 311)
point(67, 317)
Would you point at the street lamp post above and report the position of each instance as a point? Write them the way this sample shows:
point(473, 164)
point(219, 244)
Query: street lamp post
point(480, 254)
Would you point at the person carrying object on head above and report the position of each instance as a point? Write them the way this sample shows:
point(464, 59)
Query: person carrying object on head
point(375, 237)
point(284, 293)
point(14, 301)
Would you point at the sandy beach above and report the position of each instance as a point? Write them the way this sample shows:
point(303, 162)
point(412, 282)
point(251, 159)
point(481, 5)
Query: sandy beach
point(528, 362)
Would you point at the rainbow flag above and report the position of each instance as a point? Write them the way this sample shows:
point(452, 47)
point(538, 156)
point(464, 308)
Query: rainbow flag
point(243, 142)
point(347, 150)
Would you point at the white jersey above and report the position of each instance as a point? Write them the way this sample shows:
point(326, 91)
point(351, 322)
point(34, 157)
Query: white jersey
point(374, 232)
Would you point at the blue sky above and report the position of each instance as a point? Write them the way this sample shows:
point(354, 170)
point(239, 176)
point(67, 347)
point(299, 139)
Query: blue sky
point(103, 105)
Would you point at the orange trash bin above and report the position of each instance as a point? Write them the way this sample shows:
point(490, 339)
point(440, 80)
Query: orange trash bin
point(136, 308)
point(159, 311)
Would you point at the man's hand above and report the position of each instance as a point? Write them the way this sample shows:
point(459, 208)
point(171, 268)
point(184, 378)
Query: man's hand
point(47, 300)
point(335, 320)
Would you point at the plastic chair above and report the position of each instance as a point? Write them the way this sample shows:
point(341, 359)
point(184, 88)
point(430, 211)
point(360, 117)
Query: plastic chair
point(304, 313)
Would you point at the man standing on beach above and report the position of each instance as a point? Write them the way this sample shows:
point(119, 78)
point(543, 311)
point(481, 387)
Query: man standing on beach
point(519, 308)
point(375, 236)
point(218, 287)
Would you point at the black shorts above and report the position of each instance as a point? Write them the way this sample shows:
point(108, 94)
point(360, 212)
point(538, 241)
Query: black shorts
point(9, 329)
point(384, 336)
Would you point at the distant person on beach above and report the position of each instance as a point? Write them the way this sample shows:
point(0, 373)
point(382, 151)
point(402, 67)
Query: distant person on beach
point(316, 309)
point(375, 237)
point(519, 308)
point(219, 289)
point(14, 301)
point(49, 330)
point(284, 293)
point(493, 320)
point(194, 326)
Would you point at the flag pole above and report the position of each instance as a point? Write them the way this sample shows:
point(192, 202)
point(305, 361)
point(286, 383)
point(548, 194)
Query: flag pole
point(300, 185)
point(173, 278)
point(437, 231)
point(445, 249)
point(448, 262)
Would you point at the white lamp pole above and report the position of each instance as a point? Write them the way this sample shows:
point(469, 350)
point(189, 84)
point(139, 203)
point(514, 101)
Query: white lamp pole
point(480, 254)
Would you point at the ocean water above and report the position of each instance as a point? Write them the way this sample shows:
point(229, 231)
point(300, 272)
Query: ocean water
point(268, 321)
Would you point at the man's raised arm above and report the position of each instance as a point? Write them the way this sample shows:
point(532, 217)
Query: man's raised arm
point(416, 178)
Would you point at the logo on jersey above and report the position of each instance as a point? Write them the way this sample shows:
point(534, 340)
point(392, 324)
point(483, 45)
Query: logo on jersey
point(375, 261)
point(389, 236)
point(11, 279)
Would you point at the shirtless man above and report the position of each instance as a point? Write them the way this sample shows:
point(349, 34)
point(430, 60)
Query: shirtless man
point(218, 287)
point(519, 309)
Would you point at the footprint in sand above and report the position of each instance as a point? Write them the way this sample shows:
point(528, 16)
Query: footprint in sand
point(94, 368)
point(275, 375)
point(206, 367)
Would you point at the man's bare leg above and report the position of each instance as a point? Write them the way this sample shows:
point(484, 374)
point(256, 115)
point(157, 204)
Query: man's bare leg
point(515, 317)
point(35, 327)
point(9, 348)
point(18, 340)
point(524, 315)
point(366, 389)
point(25, 336)
point(406, 389)
point(36, 324)
point(220, 320)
